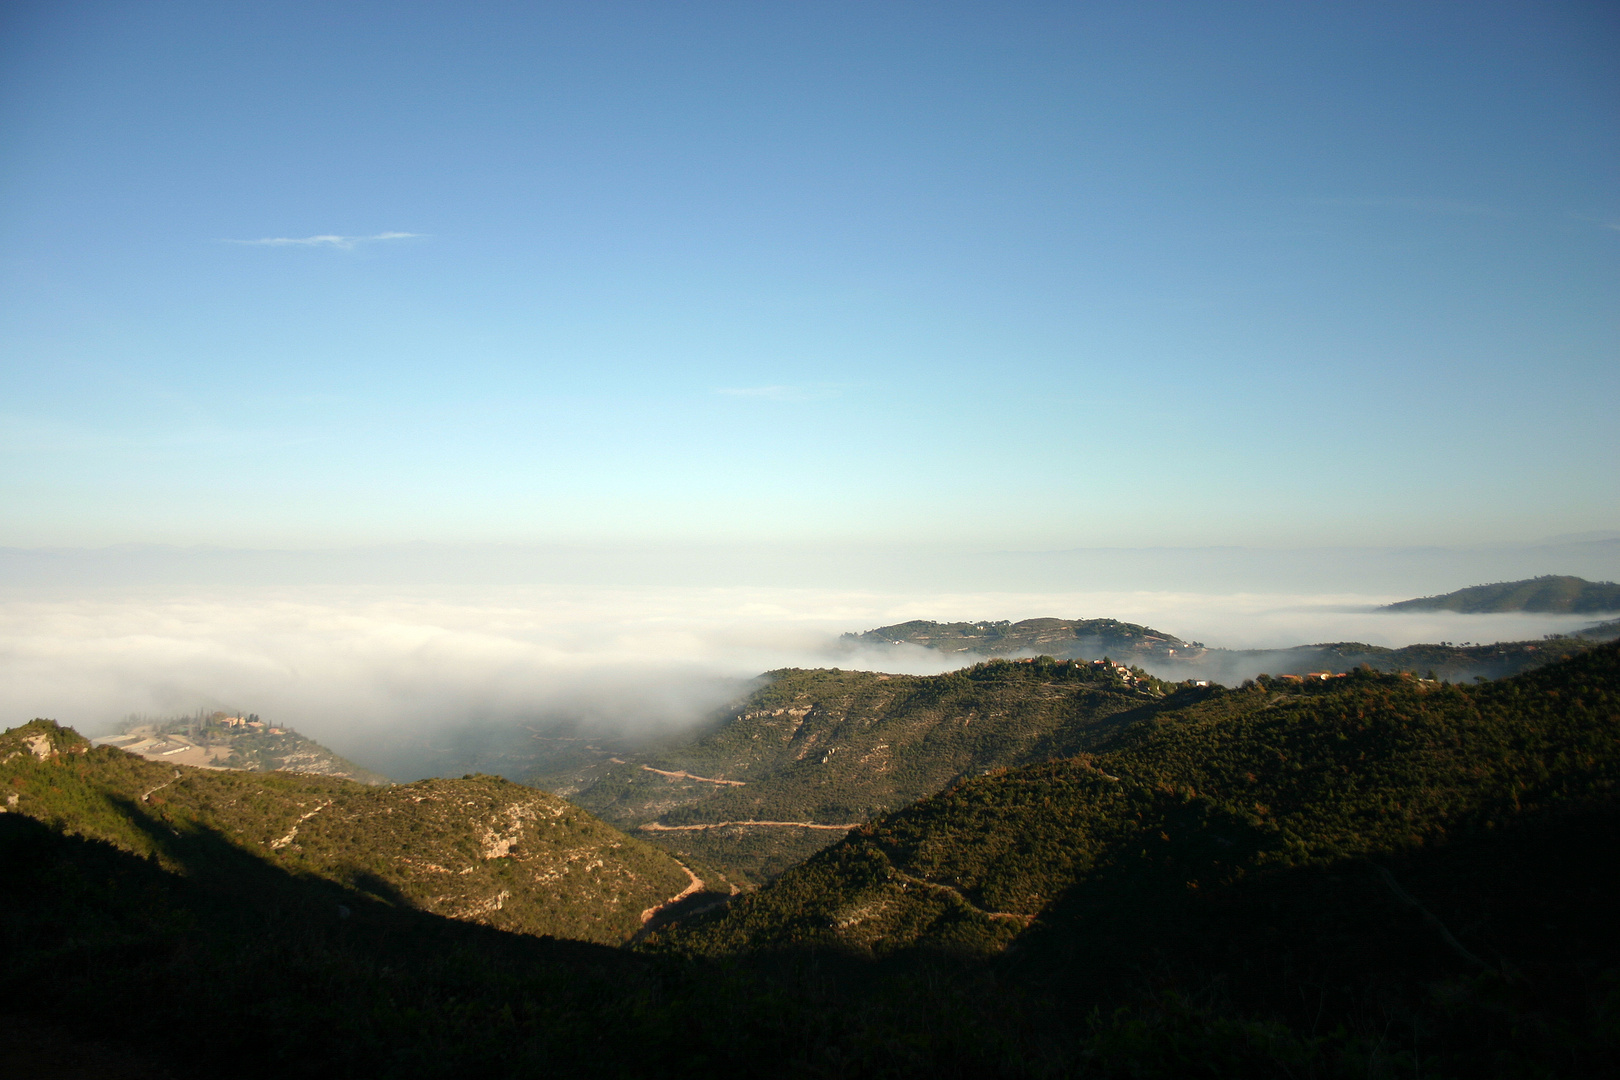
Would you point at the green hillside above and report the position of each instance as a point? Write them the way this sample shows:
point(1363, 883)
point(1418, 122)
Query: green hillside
point(1370, 876)
point(480, 849)
point(1440, 857)
point(813, 753)
point(1204, 793)
point(831, 749)
point(1543, 594)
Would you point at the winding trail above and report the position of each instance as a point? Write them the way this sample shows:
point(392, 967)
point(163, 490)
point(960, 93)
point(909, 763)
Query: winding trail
point(696, 886)
point(677, 775)
point(161, 786)
point(954, 891)
point(653, 826)
point(276, 845)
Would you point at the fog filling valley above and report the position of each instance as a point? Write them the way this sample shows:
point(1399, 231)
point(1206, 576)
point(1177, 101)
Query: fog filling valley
point(439, 681)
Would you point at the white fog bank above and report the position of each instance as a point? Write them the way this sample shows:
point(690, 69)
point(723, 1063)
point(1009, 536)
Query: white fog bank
point(357, 668)
point(365, 649)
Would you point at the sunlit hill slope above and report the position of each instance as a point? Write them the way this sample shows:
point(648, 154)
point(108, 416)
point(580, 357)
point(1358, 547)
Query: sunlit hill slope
point(812, 753)
point(480, 848)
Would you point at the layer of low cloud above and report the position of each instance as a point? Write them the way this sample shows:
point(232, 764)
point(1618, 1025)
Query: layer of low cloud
point(376, 672)
point(328, 240)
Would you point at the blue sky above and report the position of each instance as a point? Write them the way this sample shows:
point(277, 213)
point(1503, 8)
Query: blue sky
point(1010, 275)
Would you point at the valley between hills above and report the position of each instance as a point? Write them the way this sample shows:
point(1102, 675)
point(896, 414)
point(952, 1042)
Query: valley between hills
point(1032, 866)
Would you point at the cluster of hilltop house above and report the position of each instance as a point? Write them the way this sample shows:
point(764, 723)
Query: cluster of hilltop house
point(1122, 670)
point(251, 722)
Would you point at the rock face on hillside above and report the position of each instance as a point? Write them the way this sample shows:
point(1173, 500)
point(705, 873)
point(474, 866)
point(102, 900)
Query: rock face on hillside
point(480, 849)
point(1550, 594)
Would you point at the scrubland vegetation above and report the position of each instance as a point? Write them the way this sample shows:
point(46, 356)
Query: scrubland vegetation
point(840, 747)
point(479, 848)
point(1376, 875)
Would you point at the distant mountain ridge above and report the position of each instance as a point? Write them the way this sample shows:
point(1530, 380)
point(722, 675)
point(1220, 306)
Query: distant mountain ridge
point(1552, 594)
point(1171, 658)
point(1063, 639)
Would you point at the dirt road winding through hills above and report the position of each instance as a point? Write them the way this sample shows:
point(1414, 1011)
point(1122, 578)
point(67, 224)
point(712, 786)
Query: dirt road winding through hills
point(653, 826)
point(696, 886)
point(146, 797)
point(954, 891)
point(681, 775)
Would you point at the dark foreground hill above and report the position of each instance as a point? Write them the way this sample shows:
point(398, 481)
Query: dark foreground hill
point(230, 965)
point(1366, 877)
point(813, 753)
point(1569, 595)
point(480, 849)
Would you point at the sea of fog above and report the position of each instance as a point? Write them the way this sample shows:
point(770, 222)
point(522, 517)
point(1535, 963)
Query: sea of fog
point(365, 668)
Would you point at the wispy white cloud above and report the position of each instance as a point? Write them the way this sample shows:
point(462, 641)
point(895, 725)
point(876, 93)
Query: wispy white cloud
point(326, 240)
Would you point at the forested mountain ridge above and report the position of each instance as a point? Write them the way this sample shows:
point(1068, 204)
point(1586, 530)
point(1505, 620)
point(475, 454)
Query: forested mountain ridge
point(480, 849)
point(1064, 639)
point(813, 750)
point(1171, 658)
point(1443, 660)
point(1551, 593)
point(1199, 798)
point(832, 749)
